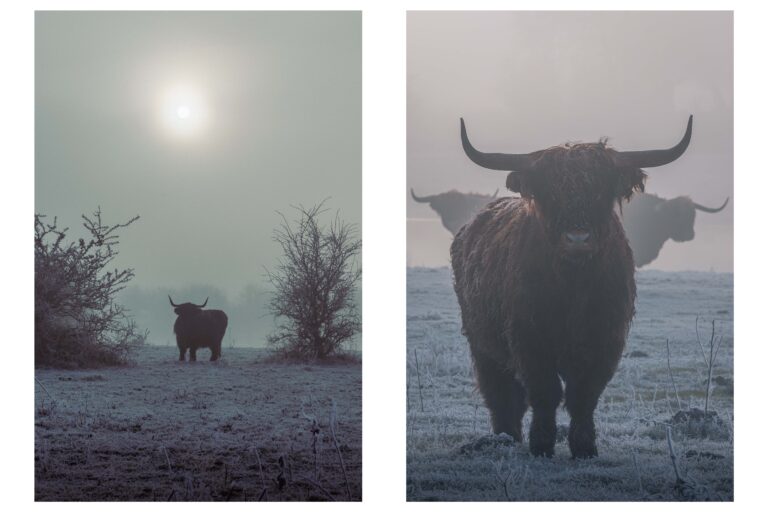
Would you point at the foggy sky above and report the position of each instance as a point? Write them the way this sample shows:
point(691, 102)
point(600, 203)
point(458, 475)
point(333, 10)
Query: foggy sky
point(524, 81)
point(283, 99)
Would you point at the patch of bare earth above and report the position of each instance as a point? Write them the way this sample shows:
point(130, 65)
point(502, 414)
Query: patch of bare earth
point(234, 430)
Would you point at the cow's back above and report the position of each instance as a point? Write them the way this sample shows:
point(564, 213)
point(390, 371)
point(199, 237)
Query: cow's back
point(219, 321)
point(201, 330)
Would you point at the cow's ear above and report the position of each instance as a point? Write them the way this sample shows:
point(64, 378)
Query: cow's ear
point(519, 182)
point(630, 181)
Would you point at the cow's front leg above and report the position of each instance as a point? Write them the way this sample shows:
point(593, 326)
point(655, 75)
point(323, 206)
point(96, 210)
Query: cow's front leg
point(182, 353)
point(503, 394)
point(192, 354)
point(581, 397)
point(544, 394)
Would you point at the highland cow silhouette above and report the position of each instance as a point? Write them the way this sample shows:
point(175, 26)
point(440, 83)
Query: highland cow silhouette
point(546, 284)
point(455, 208)
point(649, 221)
point(196, 328)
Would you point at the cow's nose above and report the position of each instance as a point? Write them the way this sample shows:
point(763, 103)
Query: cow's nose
point(577, 237)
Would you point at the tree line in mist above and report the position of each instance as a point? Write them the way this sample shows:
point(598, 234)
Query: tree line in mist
point(249, 319)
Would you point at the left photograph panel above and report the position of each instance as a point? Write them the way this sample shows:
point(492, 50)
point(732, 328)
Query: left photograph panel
point(197, 256)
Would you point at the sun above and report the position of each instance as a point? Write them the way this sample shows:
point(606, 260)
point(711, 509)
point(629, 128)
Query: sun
point(183, 110)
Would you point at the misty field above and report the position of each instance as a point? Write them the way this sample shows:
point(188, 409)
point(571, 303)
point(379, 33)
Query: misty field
point(452, 454)
point(242, 428)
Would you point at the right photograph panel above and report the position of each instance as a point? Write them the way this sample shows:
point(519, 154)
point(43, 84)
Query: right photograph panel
point(570, 256)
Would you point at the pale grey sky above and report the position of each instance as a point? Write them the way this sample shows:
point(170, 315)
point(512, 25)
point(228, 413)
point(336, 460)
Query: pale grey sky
point(525, 81)
point(202, 123)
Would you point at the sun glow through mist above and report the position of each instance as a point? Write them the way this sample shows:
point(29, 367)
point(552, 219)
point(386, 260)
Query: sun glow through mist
point(183, 111)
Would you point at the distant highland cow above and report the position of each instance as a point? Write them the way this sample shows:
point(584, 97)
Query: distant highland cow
point(455, 208)
point(546, 284)
point(650, 221)
point(196, 328)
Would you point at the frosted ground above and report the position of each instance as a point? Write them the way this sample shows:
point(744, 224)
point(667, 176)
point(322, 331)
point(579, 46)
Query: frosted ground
point(452, 454)
point(239, 429)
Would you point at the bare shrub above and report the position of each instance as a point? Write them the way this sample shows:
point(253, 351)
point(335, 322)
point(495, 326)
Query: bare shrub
point(315, 283)
point(77, 321)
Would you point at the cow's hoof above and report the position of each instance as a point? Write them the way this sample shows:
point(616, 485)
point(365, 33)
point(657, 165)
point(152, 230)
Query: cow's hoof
point(581, 441)
point(583, 452)
point(542, 438)
point(542, 451)
point(542, 447)
point(514, 432)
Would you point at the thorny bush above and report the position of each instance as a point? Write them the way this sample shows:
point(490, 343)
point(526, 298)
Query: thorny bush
point(315, 283)
point(77, 321)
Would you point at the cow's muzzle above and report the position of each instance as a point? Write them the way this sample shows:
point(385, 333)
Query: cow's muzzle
point(577, 242)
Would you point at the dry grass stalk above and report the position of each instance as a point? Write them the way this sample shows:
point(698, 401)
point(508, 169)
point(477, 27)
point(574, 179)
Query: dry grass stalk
point(418, 377)
point(338, 451)
point(671, 378)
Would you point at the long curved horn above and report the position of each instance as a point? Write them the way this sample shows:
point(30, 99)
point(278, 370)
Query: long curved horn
point(710, 210)
point(655, 157)
point(418, 199)
point(172, 303)
point(495, 194)
point(203, 304)
point(495, 161)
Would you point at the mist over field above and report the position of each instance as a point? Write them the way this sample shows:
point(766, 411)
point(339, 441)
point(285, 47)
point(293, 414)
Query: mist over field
point(525, 81)
point(205, 124)
point(250, 319)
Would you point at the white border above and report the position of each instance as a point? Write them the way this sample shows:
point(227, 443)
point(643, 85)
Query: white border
point(383, 234)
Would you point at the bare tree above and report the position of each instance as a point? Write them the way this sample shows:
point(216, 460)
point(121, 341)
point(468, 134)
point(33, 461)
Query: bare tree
point(77, 321)
point(315, 283)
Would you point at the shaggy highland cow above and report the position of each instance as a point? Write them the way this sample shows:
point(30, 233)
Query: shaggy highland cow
point(650, 220)
point(455, 208)
point(196, 328)
point(546, 284)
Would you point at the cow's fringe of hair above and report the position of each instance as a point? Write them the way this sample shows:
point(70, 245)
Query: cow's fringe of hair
point(575, 163)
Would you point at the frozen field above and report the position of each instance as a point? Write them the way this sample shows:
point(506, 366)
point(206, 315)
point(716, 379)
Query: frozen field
point(453, 456)
point(239, 429)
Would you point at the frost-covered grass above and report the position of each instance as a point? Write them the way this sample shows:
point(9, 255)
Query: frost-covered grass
point(453, 456)
point(238, 429)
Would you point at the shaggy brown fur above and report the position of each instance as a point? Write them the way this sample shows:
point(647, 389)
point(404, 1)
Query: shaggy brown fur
point(196, 328)
point(537, 309)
